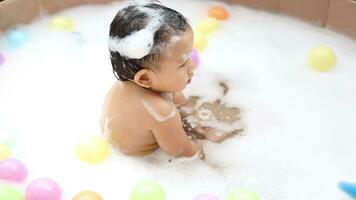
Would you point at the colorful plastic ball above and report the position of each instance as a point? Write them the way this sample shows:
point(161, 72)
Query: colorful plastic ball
point(9, 193)
point(13, 170)
point(43, 189)
point(2, 59)
point(195, 57)
point(200, 41)
point(348, 188)
point(93, 149)
point(16, 38)
point(322, 59)
point(87, 195)
point(208, 25)
point(61, 23)
point(148, 190)
point(4, 152)
point(218, 12)
point(242, 194)
point(206, 197)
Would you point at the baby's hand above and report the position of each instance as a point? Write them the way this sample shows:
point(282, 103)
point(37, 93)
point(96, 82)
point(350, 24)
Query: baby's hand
point(213, 135)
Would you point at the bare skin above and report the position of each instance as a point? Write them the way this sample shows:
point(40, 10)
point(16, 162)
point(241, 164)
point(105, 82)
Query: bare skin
point(138, 119)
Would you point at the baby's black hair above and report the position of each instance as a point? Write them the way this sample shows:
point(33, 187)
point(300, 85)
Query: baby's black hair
point(131, 19)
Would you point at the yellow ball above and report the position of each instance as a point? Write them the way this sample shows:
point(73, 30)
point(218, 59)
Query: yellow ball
point(208, 25)
point(93, 149)
point(322, 59)
point(4, 152)
point(88, 195)
point(61, 23)
point(200, 41)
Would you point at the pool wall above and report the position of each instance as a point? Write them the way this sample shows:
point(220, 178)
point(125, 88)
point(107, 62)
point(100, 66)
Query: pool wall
point(339, 15)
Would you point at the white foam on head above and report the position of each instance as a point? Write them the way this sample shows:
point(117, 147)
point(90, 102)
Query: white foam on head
point(140, 43)
point(154, 113)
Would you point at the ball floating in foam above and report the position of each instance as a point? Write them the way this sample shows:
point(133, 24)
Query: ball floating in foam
point(322, 59)
point(2, 59)
point(16, 38)
point(348, 188)
point(61, 23)
point(206, 197)
point(10, 193)
point(200, 41)
point(93, 149)
point(208, 25)
point(218, 12)
point(87, 195)
point(148, 190)
point(4, 152)
point(195, 57)
point(43, 189)
point(13, 170)
point(242, 194)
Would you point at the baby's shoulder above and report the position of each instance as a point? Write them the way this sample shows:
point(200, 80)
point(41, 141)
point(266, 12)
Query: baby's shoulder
point(158, 106)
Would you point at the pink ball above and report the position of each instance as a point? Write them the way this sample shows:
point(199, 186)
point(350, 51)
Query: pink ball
point(13, 170)
point(206, 197)
point(43, 189)
point(195, 57)
point(2, 59)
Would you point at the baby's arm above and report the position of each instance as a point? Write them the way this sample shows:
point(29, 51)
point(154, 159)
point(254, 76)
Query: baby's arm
point(171, 136)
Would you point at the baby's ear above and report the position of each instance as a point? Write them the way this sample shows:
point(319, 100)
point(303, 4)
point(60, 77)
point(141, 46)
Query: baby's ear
point(143, 78)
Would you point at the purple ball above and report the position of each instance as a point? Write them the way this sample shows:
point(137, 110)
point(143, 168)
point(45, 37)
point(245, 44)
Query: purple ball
point(195, 57)
point(43, 189)
point(206, 197)
point(13, 170)
point(2, 59)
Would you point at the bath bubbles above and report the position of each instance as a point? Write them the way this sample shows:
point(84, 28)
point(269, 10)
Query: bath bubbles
point(43, 189)
point(2, 59)
point(10, 193)
point(4, 151)
point(93, 149)
point(148, 190)
point(61, 23)
point(87, 195)
point(208, 25)
point(242, 194)
point(77, 37)
point(218, 12)
point(322, 59)
point(16, 38)
point(206, 197)
point(13, 170)
point(195, 57)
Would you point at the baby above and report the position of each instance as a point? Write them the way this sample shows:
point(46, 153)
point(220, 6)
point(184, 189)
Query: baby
point(150, 47)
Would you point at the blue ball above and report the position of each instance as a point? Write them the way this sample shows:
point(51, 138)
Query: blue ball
point(16, 38)
point(349, 188)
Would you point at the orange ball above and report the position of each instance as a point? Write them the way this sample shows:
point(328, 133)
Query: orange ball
point(218, 12)
point(88, 195)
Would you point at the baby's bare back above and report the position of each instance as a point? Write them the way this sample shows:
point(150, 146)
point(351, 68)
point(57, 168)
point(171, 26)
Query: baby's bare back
point(126, 122)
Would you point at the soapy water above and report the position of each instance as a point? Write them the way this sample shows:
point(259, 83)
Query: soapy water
point(299, 136)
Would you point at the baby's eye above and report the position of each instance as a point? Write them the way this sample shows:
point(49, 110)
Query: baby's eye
point(184, 64)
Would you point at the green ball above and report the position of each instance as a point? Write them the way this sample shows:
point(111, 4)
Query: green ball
point(242, 194)
point(9, 193)
point(148, 190)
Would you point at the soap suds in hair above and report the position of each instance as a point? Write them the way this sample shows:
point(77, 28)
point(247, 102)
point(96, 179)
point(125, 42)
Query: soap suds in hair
point(138, 44)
